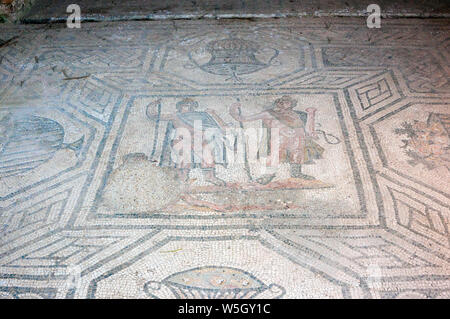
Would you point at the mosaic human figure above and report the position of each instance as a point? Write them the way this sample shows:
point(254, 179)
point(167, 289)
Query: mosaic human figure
point(296, 130)
point(212, 152)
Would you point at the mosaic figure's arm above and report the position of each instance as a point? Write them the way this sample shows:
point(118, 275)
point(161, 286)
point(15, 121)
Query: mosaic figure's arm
point(236, 114)
point(311, 122)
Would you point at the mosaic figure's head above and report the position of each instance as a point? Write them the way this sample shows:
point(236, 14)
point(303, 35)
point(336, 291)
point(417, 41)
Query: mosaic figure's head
point(187, 105)
point(285, 102)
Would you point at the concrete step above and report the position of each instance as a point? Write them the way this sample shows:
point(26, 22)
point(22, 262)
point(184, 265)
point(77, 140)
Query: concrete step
point(51, 10)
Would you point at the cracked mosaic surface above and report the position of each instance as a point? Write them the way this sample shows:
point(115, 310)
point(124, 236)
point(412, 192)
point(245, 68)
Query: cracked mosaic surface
point(91, 207)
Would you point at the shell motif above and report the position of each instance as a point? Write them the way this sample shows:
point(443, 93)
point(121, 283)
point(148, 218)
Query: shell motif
point(28, 142)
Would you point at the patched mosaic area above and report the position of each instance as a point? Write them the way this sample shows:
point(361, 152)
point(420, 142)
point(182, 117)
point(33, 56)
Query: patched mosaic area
point(95, 203)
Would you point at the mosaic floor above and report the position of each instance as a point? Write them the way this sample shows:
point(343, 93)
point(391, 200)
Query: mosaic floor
point(92, 205)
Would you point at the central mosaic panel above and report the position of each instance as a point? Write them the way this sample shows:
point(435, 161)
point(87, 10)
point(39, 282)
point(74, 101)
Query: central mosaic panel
point(316, 175)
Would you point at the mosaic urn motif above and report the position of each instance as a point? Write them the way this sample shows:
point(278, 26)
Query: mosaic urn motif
point(234, 57)
point(212, 282)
